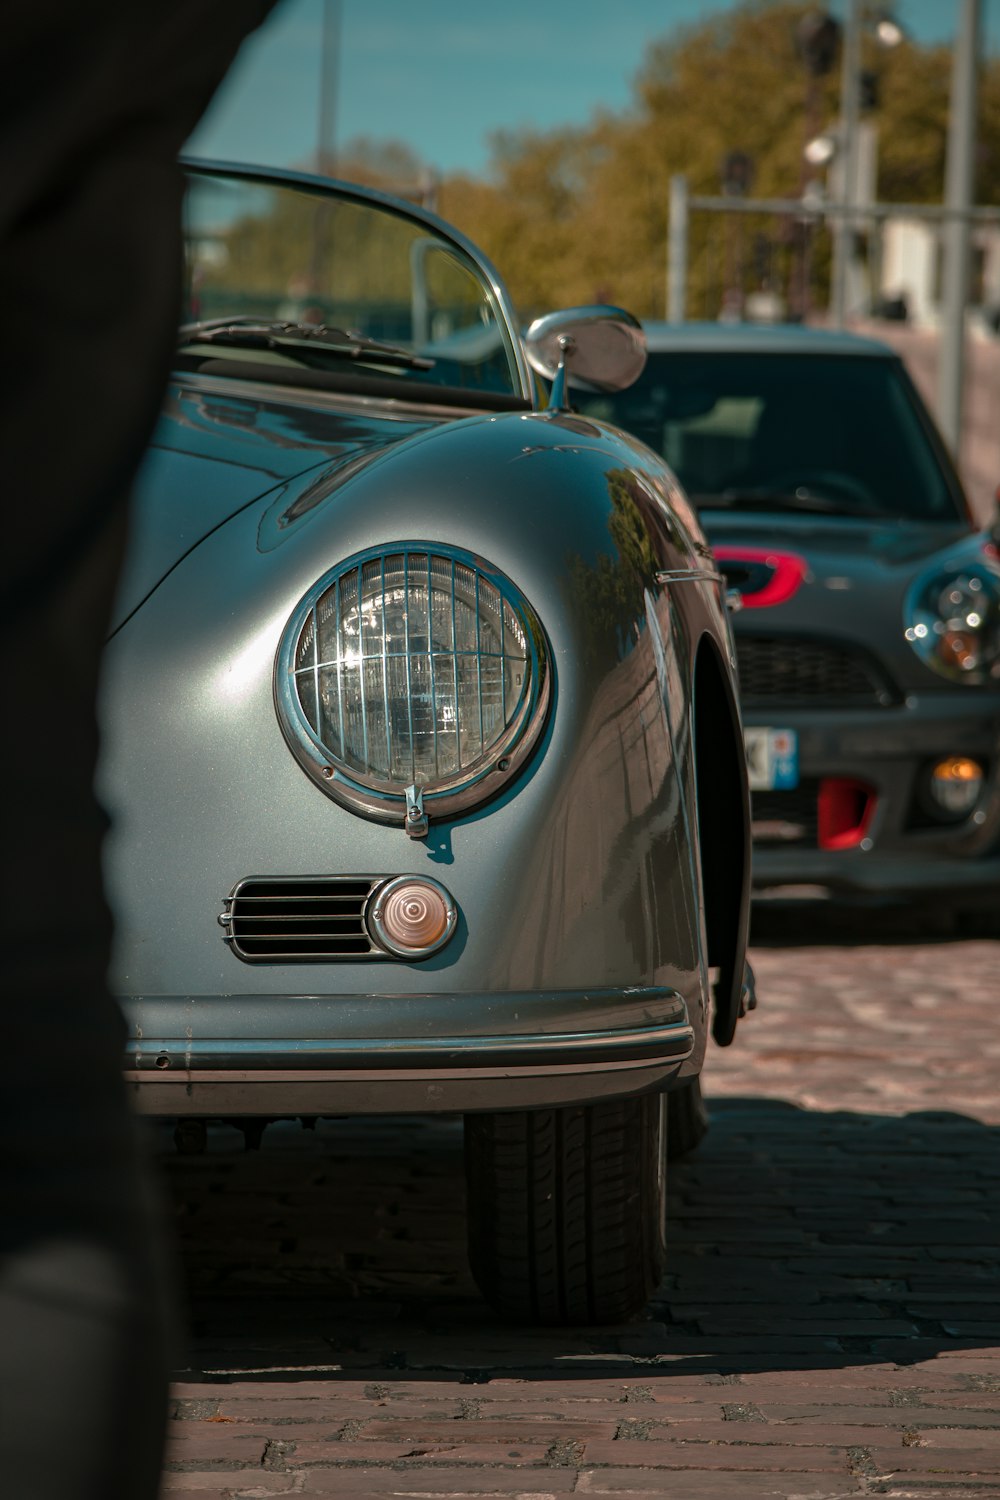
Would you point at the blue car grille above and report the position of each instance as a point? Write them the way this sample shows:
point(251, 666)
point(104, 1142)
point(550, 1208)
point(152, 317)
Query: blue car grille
point(783, 818)
point(789, 670)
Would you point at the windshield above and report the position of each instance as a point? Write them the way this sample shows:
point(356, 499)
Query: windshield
point(830, 433)
point(261, 253)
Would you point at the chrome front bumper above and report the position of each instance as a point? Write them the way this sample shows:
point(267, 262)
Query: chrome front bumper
point(309, 1074)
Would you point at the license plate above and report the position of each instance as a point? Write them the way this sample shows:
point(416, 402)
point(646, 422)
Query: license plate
point(772, 759)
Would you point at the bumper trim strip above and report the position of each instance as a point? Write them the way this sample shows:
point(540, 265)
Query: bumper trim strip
point(177, 1060)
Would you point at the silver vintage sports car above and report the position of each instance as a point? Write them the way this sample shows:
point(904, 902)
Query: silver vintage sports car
point(422, 741)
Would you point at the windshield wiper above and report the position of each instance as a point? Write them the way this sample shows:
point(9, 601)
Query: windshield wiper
point(799, 499)
point(300, 339)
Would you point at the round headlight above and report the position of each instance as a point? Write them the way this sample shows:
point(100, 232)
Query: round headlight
point(412, 679)
point(953, 623)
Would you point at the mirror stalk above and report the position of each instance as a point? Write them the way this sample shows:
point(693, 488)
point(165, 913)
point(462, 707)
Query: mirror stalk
point(558, 396)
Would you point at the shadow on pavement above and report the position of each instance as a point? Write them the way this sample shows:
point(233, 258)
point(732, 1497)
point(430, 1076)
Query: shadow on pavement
point(801, 924)
point(854, 1236)
point(798, 1239)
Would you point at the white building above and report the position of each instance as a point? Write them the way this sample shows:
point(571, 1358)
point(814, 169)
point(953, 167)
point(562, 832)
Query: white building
point(910, 268)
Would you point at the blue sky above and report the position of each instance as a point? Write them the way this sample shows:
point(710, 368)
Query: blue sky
point(441, 75)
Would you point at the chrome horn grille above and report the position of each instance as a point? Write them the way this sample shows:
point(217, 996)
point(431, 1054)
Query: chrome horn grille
point(416, 668)
point(268, 920)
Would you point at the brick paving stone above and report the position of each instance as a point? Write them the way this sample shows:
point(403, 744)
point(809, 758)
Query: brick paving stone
point(915, 1490)
point(203, 1441)
point(969, 1399)
point(208, 1486)
point(894, 1416)
point(878, 1375)
point(830, 1432)
point(981, 1464)
point(435, 1451)
point(956, 1438)
point(836, 1308)
point(442, 1484)
point(550, 1428)
point(530, 1401)
point(623, 1483)
point(830, 1320)
point(729, 1457)
point(837, 1397)
point(341, 1452)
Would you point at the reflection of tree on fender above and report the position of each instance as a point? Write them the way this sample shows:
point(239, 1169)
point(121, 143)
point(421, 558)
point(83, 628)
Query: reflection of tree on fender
point(610, 590)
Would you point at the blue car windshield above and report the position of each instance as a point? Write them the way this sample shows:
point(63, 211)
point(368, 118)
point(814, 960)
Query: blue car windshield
point(837, 433)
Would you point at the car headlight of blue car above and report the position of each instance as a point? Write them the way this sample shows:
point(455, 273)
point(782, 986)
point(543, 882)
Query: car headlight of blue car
point(953, 622)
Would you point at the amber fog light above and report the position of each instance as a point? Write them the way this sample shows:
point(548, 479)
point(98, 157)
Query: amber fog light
point(954, 785)
point(412, 916)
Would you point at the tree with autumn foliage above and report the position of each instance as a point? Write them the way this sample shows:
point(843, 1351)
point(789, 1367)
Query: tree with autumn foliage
point(581, 215)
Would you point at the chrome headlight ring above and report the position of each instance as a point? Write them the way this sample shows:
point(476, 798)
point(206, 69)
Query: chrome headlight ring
point(952, 621)
point(412, 682)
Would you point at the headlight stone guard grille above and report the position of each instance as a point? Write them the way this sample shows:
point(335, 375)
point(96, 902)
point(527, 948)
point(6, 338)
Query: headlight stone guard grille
point(412, 668)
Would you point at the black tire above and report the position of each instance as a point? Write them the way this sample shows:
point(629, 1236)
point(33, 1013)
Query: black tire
point(566, 1209)
point(687, 1118)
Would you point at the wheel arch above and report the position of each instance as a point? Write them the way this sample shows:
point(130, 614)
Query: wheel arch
point(723, 821)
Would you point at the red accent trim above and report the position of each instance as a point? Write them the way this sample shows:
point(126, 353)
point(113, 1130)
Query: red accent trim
point(789, 569)
point(845, 809)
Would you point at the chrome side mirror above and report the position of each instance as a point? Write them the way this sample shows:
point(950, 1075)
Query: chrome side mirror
point(602, 346)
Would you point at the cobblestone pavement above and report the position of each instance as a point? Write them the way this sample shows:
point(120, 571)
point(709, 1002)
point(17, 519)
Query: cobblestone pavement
point(829, 1327)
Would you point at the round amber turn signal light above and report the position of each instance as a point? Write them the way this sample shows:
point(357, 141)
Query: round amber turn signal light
point(412, 916)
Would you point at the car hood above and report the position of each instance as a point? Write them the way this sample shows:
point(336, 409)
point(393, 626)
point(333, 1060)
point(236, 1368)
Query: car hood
point(834, 541)
point(214, 453)
point(838, 552)
point(836, 575)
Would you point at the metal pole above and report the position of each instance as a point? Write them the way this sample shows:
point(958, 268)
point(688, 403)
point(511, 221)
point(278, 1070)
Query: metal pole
point(850, 115)
point(677, 250)
point(956, 233)
point(326, 145)
point(825, 209)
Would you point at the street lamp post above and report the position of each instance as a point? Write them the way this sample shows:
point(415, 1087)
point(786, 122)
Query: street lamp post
point(850, 108)
point(737, 175)
point(856, 144)
point(677, 249)
point(956, 235)
point(817, 40)
point(326, 146)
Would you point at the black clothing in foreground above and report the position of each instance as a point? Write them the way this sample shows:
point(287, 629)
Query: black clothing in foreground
point(97, 101)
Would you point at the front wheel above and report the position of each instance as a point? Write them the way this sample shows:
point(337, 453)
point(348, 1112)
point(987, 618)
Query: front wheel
point(567, 1209)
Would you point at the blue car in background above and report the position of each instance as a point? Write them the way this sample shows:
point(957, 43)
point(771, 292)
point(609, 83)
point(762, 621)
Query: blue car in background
point(868, 641)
